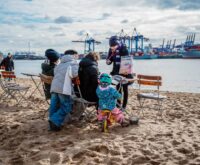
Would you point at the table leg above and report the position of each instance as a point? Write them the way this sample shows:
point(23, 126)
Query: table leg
point(36, 87)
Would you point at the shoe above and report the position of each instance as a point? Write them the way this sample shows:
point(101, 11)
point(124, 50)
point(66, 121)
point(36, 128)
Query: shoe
point(53, 127)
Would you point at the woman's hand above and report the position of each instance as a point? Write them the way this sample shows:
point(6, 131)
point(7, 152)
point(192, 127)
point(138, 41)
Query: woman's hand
point(108, 62)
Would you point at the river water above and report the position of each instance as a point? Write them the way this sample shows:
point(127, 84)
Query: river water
point(179, 75)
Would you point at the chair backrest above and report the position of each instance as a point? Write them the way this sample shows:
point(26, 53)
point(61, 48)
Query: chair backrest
point(149, 80)
point(46, 79)
point(8, 74)
point(76, 82)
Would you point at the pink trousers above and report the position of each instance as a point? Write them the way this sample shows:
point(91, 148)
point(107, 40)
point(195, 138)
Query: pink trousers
point(118, 115)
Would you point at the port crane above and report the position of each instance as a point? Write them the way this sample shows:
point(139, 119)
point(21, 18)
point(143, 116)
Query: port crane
point(89, 43)
point(134, 42)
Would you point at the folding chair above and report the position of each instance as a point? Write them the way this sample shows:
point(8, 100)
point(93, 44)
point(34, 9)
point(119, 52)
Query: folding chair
point(45, 80)
point(154, 81)
point(9, 78)
point(12, 90)
point(86, 108)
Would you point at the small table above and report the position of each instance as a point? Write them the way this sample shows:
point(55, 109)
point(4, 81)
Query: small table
point(37, 85)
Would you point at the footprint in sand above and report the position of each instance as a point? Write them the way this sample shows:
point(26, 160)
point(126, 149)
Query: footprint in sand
point(78, 155)
point(16, 160)
point(55, 158)
point(100, 148)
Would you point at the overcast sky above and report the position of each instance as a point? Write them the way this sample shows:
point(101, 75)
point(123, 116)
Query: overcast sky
point(55, 23)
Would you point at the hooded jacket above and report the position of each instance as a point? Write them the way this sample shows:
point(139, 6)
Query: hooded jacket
point(107, 97)
point(63, 74)
point(88, 75)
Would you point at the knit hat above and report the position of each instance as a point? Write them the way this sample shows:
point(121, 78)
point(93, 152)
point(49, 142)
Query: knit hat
point(113, 41)
point(105, 80)
point(52, 55)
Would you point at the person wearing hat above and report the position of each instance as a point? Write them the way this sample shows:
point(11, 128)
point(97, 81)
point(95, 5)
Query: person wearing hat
point(116, 51)
point(108, 99)
point(61, 90)
point(48, 68)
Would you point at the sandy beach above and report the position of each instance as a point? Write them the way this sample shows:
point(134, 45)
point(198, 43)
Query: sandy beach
point(175, 139)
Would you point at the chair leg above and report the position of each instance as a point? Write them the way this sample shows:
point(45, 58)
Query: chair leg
point(160, 109)
point(22, 96)
point(141, 104)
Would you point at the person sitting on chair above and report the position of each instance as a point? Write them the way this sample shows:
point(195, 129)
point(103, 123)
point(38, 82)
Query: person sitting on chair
point(61, 90)
point(88, 75)
point(48, 68)
point(108, 97)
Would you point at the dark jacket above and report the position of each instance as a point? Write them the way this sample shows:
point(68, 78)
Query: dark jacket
point(115, 58)
point(88, 75)
point(8, 64)
point(47, 69)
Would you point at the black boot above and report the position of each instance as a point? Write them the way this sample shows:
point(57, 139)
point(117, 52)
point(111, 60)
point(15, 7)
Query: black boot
point(53, 127)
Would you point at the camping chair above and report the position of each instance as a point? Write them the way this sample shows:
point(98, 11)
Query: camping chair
point(12, 90)
point(154, 81)
point(82, 106)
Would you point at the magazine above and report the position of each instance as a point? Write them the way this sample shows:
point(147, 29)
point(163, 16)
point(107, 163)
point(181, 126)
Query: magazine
point(126, 65)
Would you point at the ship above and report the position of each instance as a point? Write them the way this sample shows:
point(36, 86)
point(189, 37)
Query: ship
point(24, 55)
point(192, 52)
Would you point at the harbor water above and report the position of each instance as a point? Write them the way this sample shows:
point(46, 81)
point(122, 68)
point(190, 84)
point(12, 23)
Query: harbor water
point(179, 75)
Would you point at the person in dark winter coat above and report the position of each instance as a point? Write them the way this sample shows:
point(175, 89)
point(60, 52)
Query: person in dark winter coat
point(8, 63)
point(48, 68)
point(114, 56)
point(88, 75)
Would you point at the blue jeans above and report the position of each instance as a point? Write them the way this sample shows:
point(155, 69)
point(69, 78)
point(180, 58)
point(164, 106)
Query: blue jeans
point(61, 106)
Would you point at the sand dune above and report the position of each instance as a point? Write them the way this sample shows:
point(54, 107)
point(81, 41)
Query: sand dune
point(175, 139)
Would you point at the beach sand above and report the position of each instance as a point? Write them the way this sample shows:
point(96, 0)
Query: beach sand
point(175, 139)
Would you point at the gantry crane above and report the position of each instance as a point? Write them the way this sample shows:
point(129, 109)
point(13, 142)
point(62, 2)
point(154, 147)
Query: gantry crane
point(89, 43)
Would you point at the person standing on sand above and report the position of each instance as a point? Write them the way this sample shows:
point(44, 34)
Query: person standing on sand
point(61, 90)
point(116, 51)
point(107, 100)
point(48, 68)
point(8, 63)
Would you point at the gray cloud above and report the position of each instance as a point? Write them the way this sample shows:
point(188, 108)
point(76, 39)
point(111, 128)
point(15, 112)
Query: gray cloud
point(63, 19)
point(178, 4)
point(106, 15)
point(185, 30)
point(161, 4)
point(82, 32)
point(60, 35)
point(124, 21)
point(190, 5)
point(54, 28)
point(32, 27)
